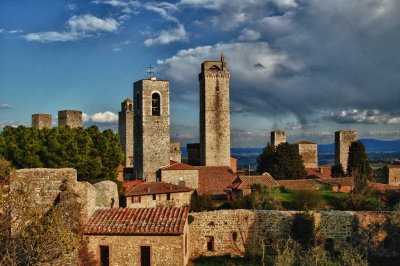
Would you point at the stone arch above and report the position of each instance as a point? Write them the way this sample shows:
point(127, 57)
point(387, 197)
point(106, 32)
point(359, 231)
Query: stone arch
point(155, 104)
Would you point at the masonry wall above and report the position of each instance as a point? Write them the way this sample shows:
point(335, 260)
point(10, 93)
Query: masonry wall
point(125, 131)
point(393, 175)
point(343, 140)
point(175, 152)
point(179, 199)
point(190, 177)
point(309, 154)
point(41, 121)
point(71, 118)
point(343, 227)
point(278, 137)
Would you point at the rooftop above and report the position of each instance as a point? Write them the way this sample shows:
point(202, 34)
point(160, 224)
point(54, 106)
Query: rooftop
point(300, 184)
point(214, 180)
point(178, 166)
point(150, 188)
point(143, 221)
point(304, 142)
point(246, 181)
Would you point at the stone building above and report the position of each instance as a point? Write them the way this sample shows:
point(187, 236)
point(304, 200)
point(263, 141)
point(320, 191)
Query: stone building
point(40, 121)
point(71, 118)
point(152, 128)
point(214, 113)
point(125, 130)
point(309, 153)
point(193, 150)
point(146, 236)
point(392, 174)
point(175, 152)
point(343, 140)
point(278, 137)
point(158, 194)
point(181, 174)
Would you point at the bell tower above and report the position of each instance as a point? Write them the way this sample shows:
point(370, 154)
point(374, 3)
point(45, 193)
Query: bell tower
point(214, 113)
point(125, 130)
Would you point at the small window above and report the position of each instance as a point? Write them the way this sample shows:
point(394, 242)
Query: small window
point(155, 104)
point(130, 107)
point(154, 196)
point(145, 256)
point(186, 244)
point(182, 183)
point(136, 199)
point(168, 196)
point(210, 243)
point(104, 256)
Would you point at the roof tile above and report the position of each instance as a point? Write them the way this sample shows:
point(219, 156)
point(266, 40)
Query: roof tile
point(150, 188)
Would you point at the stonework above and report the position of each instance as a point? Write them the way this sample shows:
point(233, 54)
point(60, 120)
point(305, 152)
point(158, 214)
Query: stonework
point(40, 121)
point(343, 140)
point(70, 118)
point(180, 199)
point(190, 178)
point(214, 114)
point(309, 153)
point(107, 194)
point(175, 152)
point(393, 175)
point(152, 128)
point(193, 150)
point(125, 130)
point(278, 137)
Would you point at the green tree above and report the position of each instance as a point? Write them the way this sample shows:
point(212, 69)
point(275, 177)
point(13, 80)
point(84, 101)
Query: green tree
point(337, 171)
point(358, 166)
point(282, 162)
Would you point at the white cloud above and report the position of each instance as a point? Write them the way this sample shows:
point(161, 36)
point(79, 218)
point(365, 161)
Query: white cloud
point(168, 36)
point(71, 6)
point(104, 117)
point(15, 31)
point(85, 117)
point(53, 36)
point(249, 35)
point(393, 121)
point(5, 106)
point(163, 9)
point(127, 6)
point(1, 30)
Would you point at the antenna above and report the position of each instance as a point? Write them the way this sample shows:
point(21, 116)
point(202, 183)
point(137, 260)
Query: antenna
point(151, 72)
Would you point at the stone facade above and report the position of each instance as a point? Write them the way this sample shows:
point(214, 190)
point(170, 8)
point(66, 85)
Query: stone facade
point(189, 177)
point(193, 150)
point(180, 199)
point(214, 114)
point(175, 152)
point(152, 128)
point(125, 130)
point(107, 194)
point(393, 175)
point(309, 153)
point(343, 140)
point(40, 121)
point(278, 137)
point(70, 118)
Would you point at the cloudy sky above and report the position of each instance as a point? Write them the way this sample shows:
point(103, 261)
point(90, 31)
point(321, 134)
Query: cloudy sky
point(307, 66)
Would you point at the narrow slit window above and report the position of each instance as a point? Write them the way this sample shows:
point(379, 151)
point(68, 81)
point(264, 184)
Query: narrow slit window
point(155, 104)
point(210, 243)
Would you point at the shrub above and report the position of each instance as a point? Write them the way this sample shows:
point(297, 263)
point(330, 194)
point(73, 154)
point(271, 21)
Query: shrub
point(359, 202)
point(302, 230)
point(200, 203)
point(190, 219)
point(307, 200)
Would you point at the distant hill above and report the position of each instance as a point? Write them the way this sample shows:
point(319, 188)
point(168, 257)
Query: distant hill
point(371, 145)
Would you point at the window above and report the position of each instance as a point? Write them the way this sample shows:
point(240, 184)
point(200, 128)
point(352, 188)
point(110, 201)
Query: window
point(130, 107)
point(186, 244)
point(104, 256)
point(136, 199)
point(210, 243)
point(154, 196)
point(155, 104)
point(182, 183)
point(145, 258)
point(137, 104)
point(168, 196)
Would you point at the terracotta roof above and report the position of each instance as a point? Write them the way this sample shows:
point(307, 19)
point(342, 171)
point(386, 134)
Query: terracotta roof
point(300, 184)
point(178, 166)
point(149, 188)
point(120, 168)
point(266, 179)
point(142, 221)
point(214, 180)
point(340, 181)
point(129, 184)
point(326, 172)
point(304, 142)
point(382, 187)
point(393, 166)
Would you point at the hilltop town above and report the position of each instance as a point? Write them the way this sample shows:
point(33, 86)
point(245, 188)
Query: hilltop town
point(156, 208)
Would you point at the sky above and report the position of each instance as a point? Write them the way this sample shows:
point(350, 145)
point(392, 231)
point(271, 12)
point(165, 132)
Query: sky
point(305, 66)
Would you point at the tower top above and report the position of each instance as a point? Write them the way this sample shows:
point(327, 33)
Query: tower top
point(222, 57)
point(151, 72)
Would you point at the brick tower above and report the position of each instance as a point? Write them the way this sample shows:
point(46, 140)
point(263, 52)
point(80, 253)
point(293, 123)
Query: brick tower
point(125, 130)
point(40, 121)
point(70, 118)
point(278, 137)
point(214, 114)
point(343, 140)
point(151, 127)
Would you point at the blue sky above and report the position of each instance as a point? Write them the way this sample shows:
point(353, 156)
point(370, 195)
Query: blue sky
point(309, 67)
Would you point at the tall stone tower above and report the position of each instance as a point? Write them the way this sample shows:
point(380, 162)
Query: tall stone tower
point(40, 121)
point(125, 130)
point(343, 140)
point(214, 114)
point(70, 118)
point(152, 127)
point(278, 137)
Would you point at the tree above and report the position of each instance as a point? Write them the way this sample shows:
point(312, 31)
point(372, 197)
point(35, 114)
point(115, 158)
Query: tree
point(282, 162)
point(337, 171)
point(358, 166)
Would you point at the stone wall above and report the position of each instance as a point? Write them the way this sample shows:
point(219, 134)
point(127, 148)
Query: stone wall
point(393, 174)
point(125, 130)
point(70, 118)
point(146, 201)
point(343, 140)
point(309, 153)
point(341, 227)
point(40, 121)
point(214, 114)
point(190, 177)
point(278, 137)
point(175, 152)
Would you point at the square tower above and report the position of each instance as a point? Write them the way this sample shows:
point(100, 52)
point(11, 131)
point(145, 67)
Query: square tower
point(343, 140)
point(309, 153)
point(70, 118)
point(278, 137)
point(215, 140)
point(125, 130)
point(40, 121)
point(175, 152)
point(151, 128)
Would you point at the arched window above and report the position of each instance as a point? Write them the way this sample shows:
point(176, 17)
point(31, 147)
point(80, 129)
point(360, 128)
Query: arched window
point(155, 104)
point(130, 107)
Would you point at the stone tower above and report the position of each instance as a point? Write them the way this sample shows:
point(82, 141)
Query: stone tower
point(214, 114)
point(151, 123)
point(309, 153)
point(40, 121)
point(125, 130)
point(278, 137)
point(175, 152)
point(343, 140)
point(70, 118)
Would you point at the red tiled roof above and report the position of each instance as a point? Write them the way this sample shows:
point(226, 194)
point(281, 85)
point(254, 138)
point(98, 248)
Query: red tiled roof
point(393, 166)
point(214, 180)
point(127, 185)
point(120, 168)
point(339, 181)
point(246, 181)
point(141, 221)
point(300, 184)
point(304, 142)
point(149, 188)
point(178, 166)
point(382, 187)
point(326, 172)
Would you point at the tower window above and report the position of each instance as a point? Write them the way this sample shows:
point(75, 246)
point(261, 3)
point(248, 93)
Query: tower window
point(130, 107)
point(137, 103)
point(155, 104)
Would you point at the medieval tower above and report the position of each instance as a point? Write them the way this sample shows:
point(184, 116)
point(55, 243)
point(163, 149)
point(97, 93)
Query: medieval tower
point(125, 130)
point(40, 121)
point(278, 137)
point(214, 114)
point(343, 140)
point(70, 118)
point(151, 123)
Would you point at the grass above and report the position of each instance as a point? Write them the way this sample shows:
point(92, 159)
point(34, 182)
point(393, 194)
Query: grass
point(333, 200)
